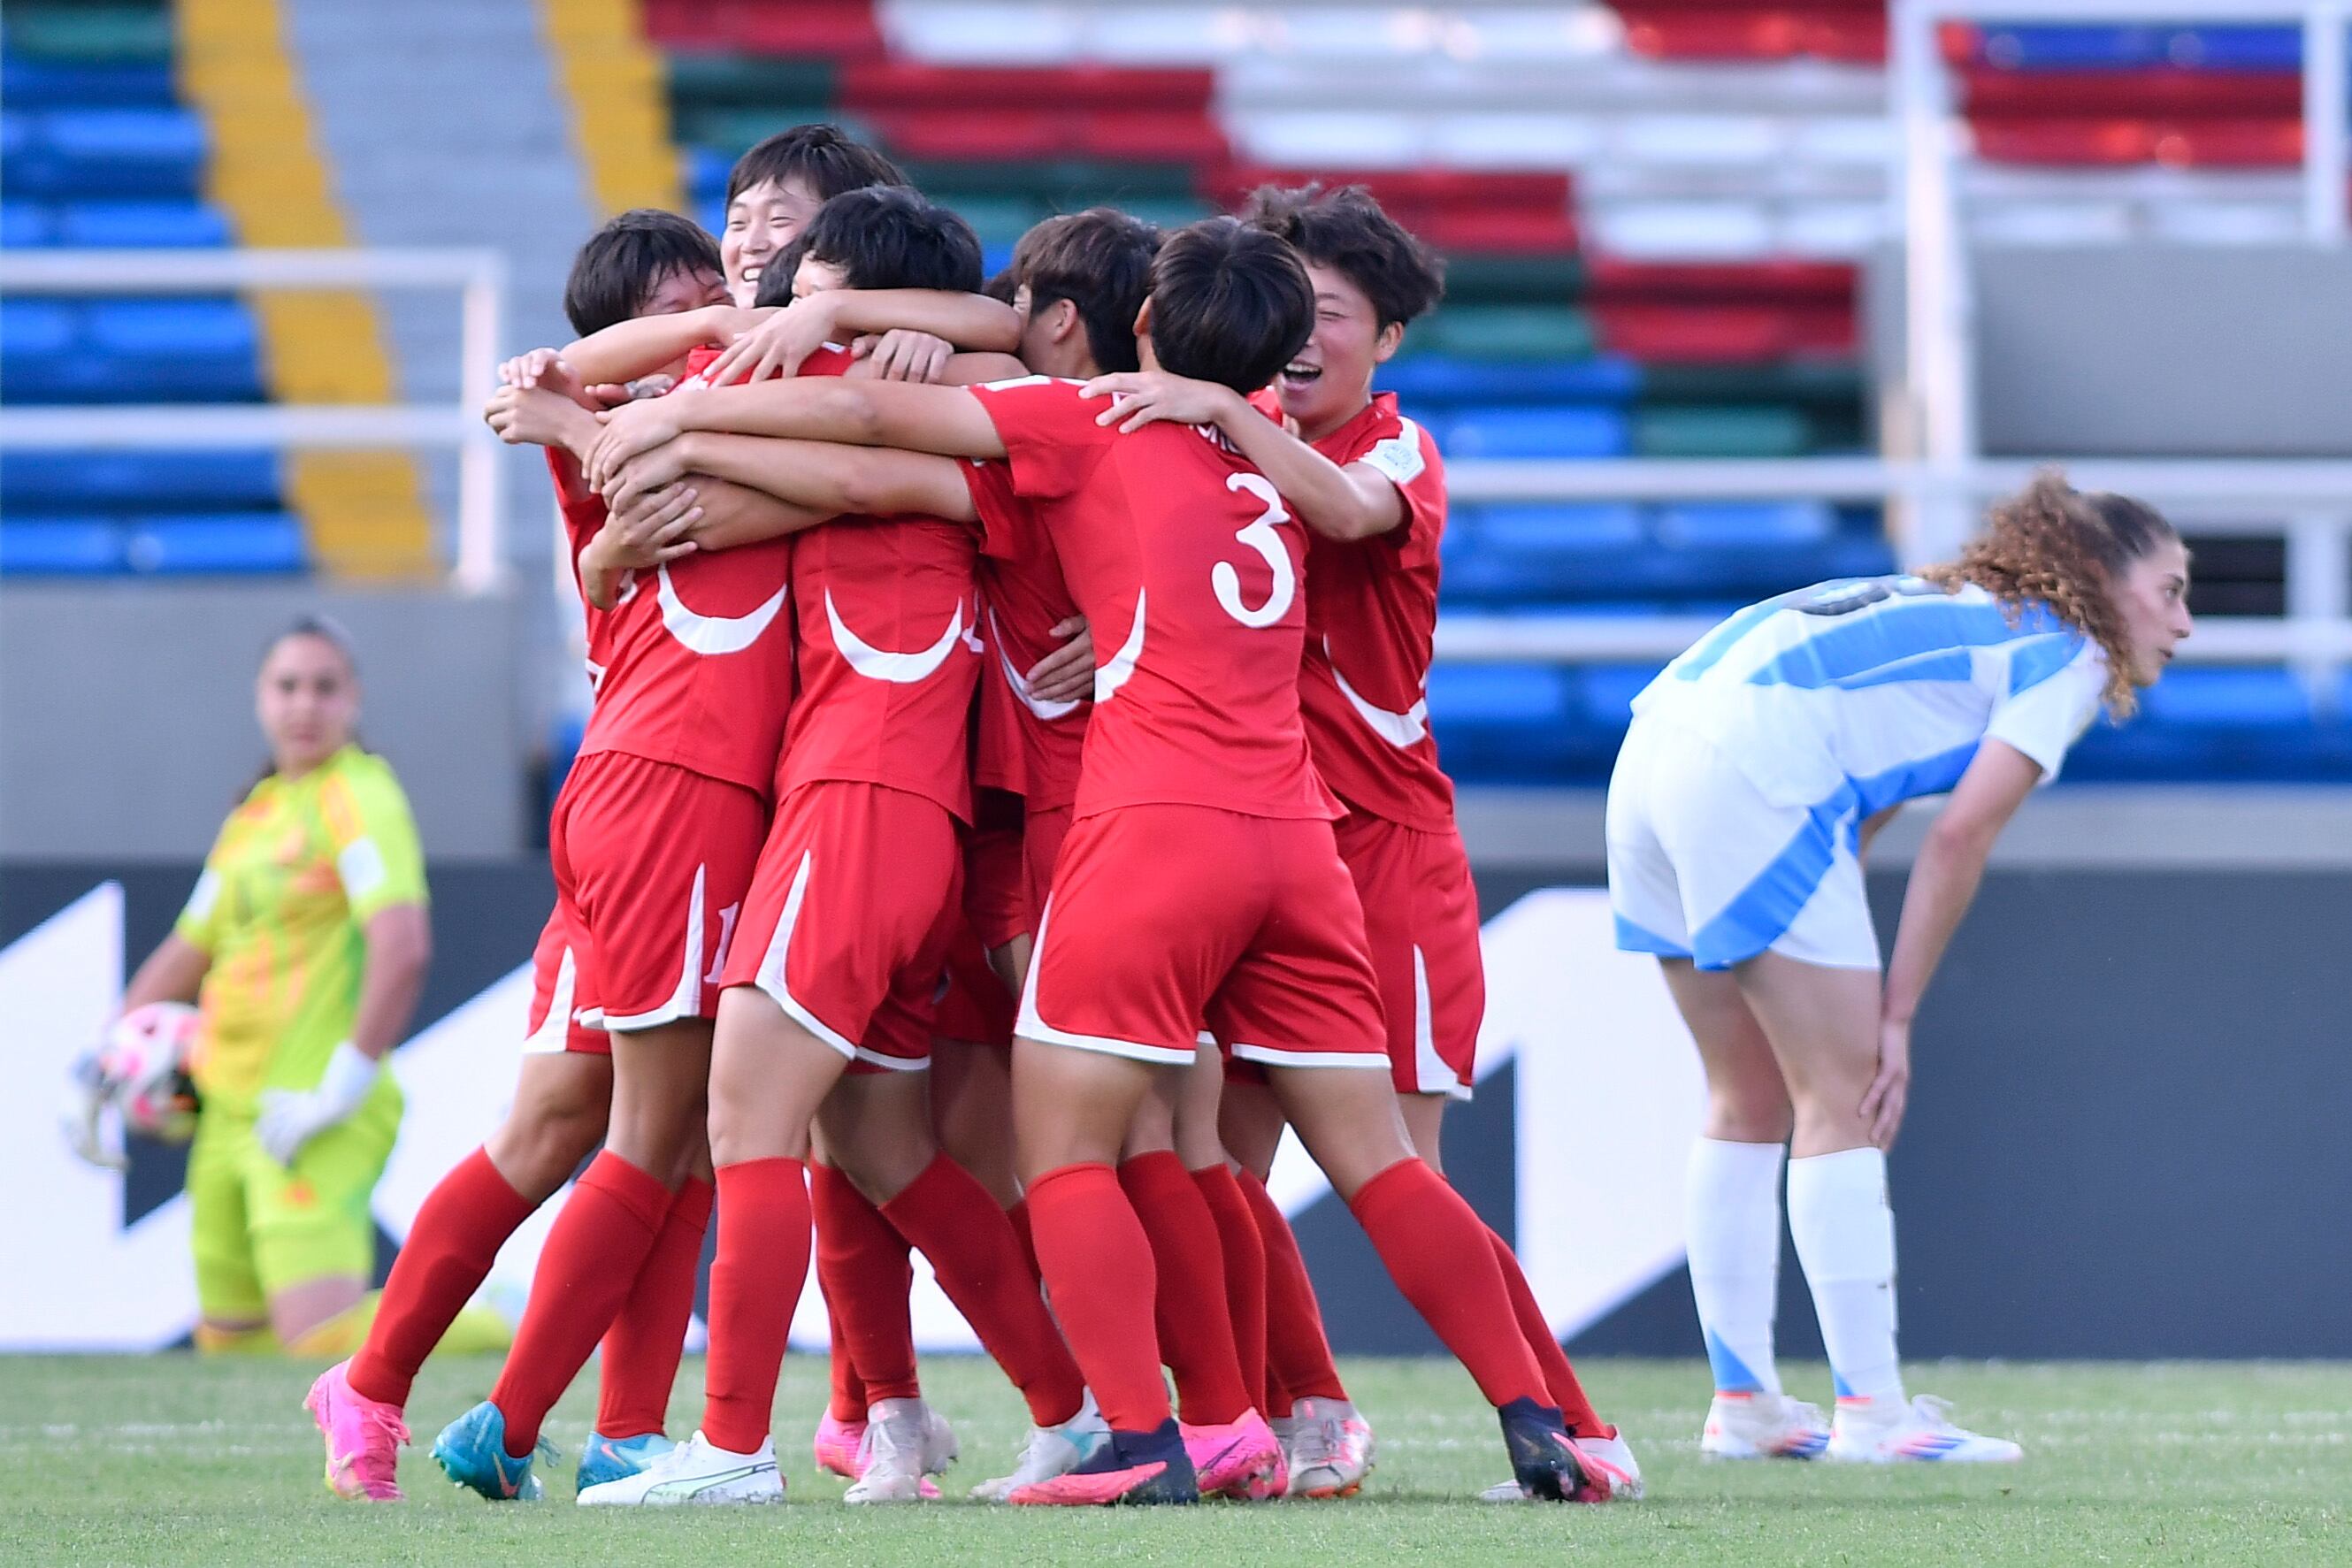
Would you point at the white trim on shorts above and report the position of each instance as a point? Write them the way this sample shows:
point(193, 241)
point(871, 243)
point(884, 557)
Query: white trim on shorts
point(769, 975)
point(1031, 1026)
point(1431, 1075)
point(1279, 1056)
point(554, 1032)
point(684, 1002)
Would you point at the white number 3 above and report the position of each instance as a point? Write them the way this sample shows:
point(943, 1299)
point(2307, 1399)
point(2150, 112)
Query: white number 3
point(1260, 537)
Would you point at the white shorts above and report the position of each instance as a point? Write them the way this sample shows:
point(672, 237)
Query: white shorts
point(1702, 866)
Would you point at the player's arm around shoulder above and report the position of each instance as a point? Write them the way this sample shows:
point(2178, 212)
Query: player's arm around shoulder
point(1350, 502)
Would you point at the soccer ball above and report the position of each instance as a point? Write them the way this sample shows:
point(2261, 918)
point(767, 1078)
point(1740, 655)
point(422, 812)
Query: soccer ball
point(145, 1064)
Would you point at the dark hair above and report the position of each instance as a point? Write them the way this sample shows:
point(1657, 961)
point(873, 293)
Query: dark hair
point(324, 628)
point(2053, 546)
point(821, 157)
point(1230, 304)
point(616, 272)
point(1100, 261)
point(1346, 229)
point(883, 237)
point(1001, 285)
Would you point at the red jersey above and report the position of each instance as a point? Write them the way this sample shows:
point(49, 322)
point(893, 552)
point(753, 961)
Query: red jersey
point(889, 650)
point(1027, 744)
point(582, 510)
point(693, 664)
point(1188, 566)
point(1371, 611)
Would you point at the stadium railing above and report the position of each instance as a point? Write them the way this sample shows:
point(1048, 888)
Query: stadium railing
point(479, 279)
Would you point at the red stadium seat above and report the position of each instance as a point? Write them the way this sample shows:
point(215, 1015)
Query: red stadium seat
point(1503, 230)
point(1713, 35)
point(840, 29)
point(971, 134)
point(2066, 142)
point(1722, 334)
point(2230, 143)
point(1767, 282)
point(1150, 135)
point(1849, 38)
point(1403, 190)
point(1990, 92)
point(897, 83)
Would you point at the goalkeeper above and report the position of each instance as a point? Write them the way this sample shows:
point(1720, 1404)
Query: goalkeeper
point(304, 946)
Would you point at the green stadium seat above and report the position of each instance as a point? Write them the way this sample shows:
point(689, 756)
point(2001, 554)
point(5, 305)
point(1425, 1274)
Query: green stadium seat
point(700, 79)
point(91, 33)
point(1721, 431)
point(1507, 332)
point(1473, 277)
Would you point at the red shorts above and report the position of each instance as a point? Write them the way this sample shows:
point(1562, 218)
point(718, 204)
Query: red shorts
point(651, 864)
point(554, 1024)
point(1042, 834)
point(995, 887)
point(849, 918)
point(1164, 916)
point(975, 1005)
point(1421, 912)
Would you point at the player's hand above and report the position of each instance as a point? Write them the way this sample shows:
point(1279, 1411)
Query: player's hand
point(629, 430)
point(905, 355)
point(655, 469)
point(1139, 398)
point(1890, 1090)
point(536, 416)
point(776, 345)
point(654, 530)
point(290, 1118)
point(547, 369)
point(1067, 673)
point(82, 1116)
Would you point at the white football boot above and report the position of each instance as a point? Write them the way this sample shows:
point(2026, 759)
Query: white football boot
point(1890, 1432)
point(906, 1440)
point(1327, 1445)
point(1051, 1451)
point(1763, 1426)
point(696, 1471)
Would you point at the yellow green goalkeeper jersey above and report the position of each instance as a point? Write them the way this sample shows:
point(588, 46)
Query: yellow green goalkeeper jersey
point(298, 872)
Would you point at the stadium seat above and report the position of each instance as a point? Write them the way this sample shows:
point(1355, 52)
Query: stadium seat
point(1721, 432)
point(1442, 379)
point(1505, 431)
point(1535, 554)
point(162, 226)
point(114, 36)
point(26, 82)
point(57, 547)
point(124, 152)
point(137, 481)
point(1609, 691)
point(217, 545)
point(27, 225)
point(1504, 721)
point(1509, 332)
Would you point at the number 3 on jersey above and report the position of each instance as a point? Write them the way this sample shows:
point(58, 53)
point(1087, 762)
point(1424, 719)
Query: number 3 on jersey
point(1260, 537)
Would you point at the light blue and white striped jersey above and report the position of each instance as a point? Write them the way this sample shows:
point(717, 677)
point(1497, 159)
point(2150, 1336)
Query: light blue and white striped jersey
point(1874, 690)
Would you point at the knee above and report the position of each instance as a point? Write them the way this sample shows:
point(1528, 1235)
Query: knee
point(739, 1134)
point(539, 1147)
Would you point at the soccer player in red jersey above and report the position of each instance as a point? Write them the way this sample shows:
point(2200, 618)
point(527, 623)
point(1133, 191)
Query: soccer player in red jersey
point(825, 1013)
point(640, 263)
point(1371, 487)
point(1080, 281)
point(1200, 879)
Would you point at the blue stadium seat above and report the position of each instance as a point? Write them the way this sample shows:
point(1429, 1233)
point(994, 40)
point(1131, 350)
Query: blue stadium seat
point(2088, 47)
point(243, 544)
point(1437, 379)
point(24, 224)
point(1749, 549)
point(161, 226)
point(137, 481)
point(30, 83)
point(38, 326)
point(1567, 432)
point(2208, 697)
point(1537, 554)
point(182, 325)
point(117, 153)
point(703, 171)
point(2217, 723)
point(1609, 691)
point(57, 547)
point(1504, 721)
point(1745, 525)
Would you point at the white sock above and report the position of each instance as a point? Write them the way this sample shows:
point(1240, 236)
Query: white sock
point(1733, 1225)
point(1845, 1239)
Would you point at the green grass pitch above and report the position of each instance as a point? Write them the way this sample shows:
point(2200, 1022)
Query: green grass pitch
point(171, 1459)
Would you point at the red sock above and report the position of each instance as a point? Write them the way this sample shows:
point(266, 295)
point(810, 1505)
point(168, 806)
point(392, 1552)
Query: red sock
point(1019, 1215)
point(464, 1220)
point(755, 1283)
point(1559, 1375)
point(643, 1346)
point(977, 1261)
point(847, 1401)
point(862, 1263)
point(1443, 1259)
point(585, 1272)
point(1189, 1310)
point(1298, 1358)
point(1098, 1271)
point(1244, 1256)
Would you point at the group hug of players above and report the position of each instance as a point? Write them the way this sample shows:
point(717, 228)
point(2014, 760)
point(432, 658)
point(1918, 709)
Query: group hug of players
point(972, 666)
point(1009, 802)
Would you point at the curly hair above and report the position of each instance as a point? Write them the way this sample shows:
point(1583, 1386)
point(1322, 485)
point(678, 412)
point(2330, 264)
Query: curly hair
point(2052, 545)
